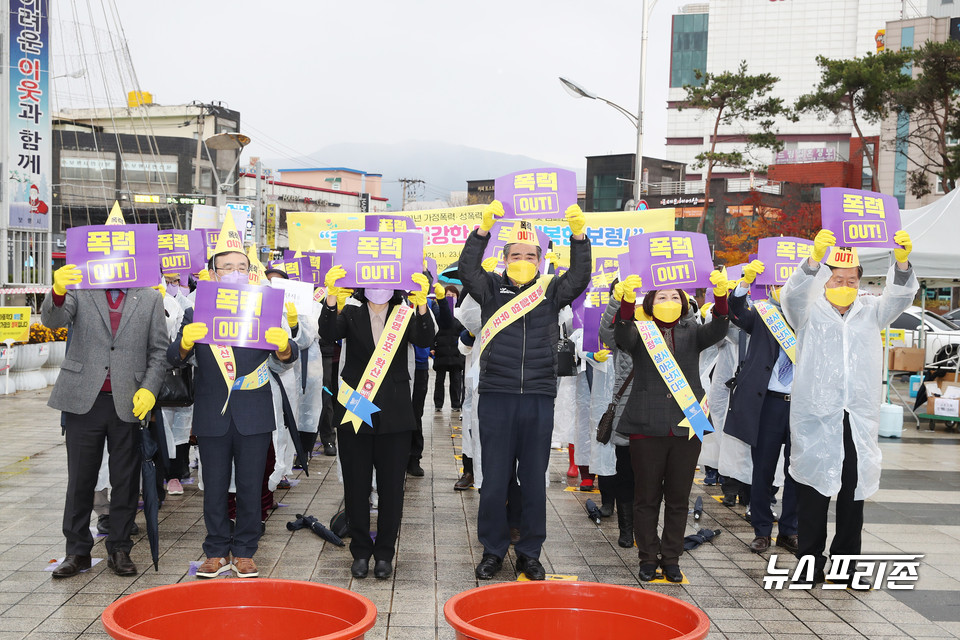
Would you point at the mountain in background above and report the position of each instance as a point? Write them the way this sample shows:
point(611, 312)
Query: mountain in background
point(442, 166)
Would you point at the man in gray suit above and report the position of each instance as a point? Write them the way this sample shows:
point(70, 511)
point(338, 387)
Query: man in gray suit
point(108, 381)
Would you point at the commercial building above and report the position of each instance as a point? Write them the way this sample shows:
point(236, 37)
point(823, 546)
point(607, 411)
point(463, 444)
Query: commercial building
point(610, 182)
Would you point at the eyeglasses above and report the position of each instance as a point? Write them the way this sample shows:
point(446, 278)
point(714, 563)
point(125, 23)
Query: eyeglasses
point(231, 268)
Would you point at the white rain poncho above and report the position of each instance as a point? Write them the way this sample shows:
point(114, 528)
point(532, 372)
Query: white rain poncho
point(290, 378)
point(177, 421)
point(468, 313)
point(839, 369)
point(603, 457)
point(720, 360)
point(311, 397)
point(565, 405)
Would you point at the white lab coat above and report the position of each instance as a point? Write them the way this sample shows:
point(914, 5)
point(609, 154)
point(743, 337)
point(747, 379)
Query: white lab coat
point(838, 369)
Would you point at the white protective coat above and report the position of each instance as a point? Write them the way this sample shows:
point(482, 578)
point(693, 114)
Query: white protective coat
point(468, 313)
point(721, 360)
point(177, 421)
point(311, 399)
point(307, 327)
point(839, 369)
point(603, 457)
point(565, 405)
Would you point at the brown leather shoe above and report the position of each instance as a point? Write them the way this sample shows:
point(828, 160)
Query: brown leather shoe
point(760, 544)
point(71, 566)
point(212, 567)
point(789, 543)
point(121, 564)
point(245, 567)
point(464, 483)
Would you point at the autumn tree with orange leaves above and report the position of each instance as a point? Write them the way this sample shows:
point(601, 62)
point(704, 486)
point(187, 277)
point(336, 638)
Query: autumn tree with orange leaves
point(791, 218)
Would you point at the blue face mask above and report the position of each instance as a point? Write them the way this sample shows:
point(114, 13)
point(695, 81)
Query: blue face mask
point(235, 277)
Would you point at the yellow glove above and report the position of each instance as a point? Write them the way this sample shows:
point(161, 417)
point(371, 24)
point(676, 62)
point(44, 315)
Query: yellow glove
point(576, 220)
point(601, 356)
point(161, 288)
point(342, 296)
point(902, 238)
point(489, 264)
point(439, 291)
point(420, 297)
point(553, 259)
point(618, 291)
point(705, 309)
point(191, 333)
point(292, 317)
point(822, 243)
point(143, 401)
point(490, 212)
point(203, 274)
point(67, 274)
point(719, 281)
point(752, 270)
point(278, 337)
point(630, 285)
point(330, 280)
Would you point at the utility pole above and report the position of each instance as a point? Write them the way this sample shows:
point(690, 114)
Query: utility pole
point(412, 182)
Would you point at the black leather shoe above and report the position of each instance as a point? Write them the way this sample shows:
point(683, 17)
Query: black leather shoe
point(648, 572)
point(359, 568)
point(531, 568)
point(760, 544)
point(382, 569)
point(606, 510)
point(121, 564)
point(488, 567)
point(789, 543)
point(329, 449)
point(672, 573)
point(71, 566)
point(464, 483)
point(414, 469)
point(626, 538)
point(103, 524)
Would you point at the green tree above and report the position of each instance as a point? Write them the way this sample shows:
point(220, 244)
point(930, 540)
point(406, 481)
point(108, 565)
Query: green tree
point(932, 100)
point(735, 98)
point(859, 88)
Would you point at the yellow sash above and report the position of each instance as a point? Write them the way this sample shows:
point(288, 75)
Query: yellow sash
point(228, 369)
point(359, 403)
point(695, 418)
point(779, 328)
point(510, 312)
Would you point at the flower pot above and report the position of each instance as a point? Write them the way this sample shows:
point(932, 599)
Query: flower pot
point(26, 372)
point(7, 383)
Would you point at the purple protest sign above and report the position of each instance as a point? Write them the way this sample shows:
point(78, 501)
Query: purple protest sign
point(379, 259)
point(536, 193)
point(499, 236)
point(589, 306)
point(181, 251)
point(114, 256)
point(432, 267)
point(780, 257)
point(313, 266)
point(674, 259)
point(860, 218)
point(389, 224)
point(210, 237)
point(238, 315)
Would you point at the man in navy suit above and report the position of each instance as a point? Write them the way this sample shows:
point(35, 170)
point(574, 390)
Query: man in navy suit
point(237, 439)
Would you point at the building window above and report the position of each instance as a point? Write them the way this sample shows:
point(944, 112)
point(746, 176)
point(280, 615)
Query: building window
point(608, 192)
point(688, 48)
point(866, 174)
point(810, 192)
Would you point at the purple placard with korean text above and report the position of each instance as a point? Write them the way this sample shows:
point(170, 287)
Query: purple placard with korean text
point(432, 268)
point(498, 238)
point(536, 193)
point(238, 315)
point(589, 306)
point(733, 273)
point(313, 266)
point(780, 257)
point(115, 256)
point(210, 240)
point(383, 260)
point(674, 259)
point(181, 251)
point(860, 218)
point(389, 224)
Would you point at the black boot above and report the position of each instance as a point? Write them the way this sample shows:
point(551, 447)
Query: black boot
point(730, 490)
point(625, 522)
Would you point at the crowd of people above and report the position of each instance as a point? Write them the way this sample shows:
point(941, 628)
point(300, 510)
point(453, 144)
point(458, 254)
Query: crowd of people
point(789, 377)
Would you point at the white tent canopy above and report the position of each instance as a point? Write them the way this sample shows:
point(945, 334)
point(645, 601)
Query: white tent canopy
point(935, 231)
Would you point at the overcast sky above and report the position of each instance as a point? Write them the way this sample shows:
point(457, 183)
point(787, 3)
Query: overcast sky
point(308, 73)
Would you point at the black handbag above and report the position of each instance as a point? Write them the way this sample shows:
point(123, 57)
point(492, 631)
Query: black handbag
point(605, 426)
point(567, 361)
point(177, 388)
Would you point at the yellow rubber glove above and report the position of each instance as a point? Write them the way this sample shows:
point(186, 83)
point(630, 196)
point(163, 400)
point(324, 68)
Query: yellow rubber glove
point(342, 296)
point(330, 280)
point(752, 270)
point(601, 356)
point(292, 316)
point(439, 291)
point(143, 401)
point(630, 285)
point(719, 281)
point(419, 297)
point(161, 288)
point(203, 274)
point(278, 337)
point(618, 291)
point(902, 238)
point(490, 213)
point(191, 333)
point(705, 309)
point(576, 219)
point(67, 274)
point(822, 243)
point(489, 264)
point(553, 259)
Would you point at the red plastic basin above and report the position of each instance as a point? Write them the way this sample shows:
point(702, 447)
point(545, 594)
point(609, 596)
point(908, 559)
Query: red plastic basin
point(241, 609)
point(550, 610)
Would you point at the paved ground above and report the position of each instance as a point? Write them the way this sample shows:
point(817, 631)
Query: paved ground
point(915, 512)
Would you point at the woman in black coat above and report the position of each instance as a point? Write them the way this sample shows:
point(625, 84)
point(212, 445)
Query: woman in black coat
point(384, 446)
point(446, 355)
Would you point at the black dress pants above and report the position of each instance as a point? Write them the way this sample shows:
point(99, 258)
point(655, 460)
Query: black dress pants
point(327, 431)
point(85, 434)
point(456, 388)
point(812, 511)
point(421, 380)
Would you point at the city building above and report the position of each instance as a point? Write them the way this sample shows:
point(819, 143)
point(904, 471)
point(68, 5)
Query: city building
point(610, 182)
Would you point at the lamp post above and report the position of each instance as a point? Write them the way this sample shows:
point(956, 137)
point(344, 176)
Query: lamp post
point(636, 120)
